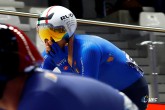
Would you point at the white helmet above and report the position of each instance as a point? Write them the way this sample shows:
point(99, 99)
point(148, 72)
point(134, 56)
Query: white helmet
point(57, 22)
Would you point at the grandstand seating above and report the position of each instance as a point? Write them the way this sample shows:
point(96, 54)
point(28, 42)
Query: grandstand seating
point(13, 20)
point(152, 19)
point(12, 3)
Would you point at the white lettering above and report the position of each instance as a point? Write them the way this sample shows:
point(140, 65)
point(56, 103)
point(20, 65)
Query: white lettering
point(82, 66)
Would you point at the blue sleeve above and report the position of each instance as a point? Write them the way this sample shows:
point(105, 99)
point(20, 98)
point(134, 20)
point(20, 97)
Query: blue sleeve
point(90, 61)
point(39, 101)
point(48, 62)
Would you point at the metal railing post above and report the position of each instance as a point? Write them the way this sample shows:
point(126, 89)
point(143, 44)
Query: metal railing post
point(153, 66)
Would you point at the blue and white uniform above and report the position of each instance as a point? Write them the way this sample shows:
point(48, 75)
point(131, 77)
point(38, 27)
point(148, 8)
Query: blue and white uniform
point(99, 59)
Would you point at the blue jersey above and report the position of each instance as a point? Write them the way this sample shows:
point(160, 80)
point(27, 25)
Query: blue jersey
point(47, 91)
point(100, 59)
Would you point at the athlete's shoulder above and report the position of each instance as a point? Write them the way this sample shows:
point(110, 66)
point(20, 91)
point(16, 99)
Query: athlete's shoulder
point(86, 36)
point(37, 92)
point(37, 100)
point(47, 90)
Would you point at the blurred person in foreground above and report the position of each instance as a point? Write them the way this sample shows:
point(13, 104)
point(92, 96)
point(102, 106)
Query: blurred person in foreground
point(23, 86)
point(88, 55)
